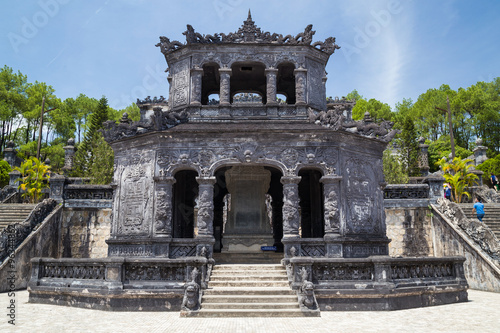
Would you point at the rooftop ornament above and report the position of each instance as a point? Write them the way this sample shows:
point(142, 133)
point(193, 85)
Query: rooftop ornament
point(248, 33)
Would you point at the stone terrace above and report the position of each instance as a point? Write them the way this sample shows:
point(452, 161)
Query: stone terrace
point(480, 314)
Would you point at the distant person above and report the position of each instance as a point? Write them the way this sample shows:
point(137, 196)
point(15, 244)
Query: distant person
point(447, 191)
point(479, 209)
point(494, 181)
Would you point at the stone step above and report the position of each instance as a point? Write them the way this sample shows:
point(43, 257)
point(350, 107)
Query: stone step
point(271, 305)
point(269, 299)
point(250, 313)
point(245, 284)
point(249, 291)
point(267, 277)
point(238, 267)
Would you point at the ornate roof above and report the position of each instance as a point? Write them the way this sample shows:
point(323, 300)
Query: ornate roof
point(248, 33)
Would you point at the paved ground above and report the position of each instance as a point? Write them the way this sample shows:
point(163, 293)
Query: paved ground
point(480, 314)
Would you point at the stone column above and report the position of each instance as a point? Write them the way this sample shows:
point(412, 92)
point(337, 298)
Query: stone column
point(14, 178)
point(225, 86)
point(56, 184)
point(69, 154)
point(163, 206)
point(333, 215)
point(205, 215)
point(196, 74)
point(291, 218)
point(300, 86)
point(10, 153)
point(480, 152)
point(332, 206)
point(271, 86)
point(435, 187)
point(423, 158)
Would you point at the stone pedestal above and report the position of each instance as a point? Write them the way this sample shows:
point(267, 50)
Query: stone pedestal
point(248, 226)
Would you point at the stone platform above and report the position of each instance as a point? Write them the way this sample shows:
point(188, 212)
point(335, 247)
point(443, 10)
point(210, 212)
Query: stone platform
point(479, 314)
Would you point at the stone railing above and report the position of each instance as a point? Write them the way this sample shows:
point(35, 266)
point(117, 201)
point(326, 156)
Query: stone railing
point(12, 236)
point(486, 194)
point(117, 272)
point(406, 191)
point(479, 232)
point(344, 273)
point(73, 193)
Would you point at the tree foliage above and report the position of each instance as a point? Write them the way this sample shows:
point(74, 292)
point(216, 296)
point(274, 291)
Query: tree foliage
point(457, 174)
point(34, 178)
point(409, 148)
point(394, 171)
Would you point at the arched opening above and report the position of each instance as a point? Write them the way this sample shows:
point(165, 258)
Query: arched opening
point(281, 99)
point(185, 193)
point(248, 77)
point(285, 82)
point(213, 99)
point(226, 206)
point(210, 84)
point(311, 204)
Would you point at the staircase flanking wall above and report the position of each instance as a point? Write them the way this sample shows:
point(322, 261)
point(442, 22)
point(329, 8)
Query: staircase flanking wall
point(455, 234)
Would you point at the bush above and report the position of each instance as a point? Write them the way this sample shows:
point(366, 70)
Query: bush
point(4, 173)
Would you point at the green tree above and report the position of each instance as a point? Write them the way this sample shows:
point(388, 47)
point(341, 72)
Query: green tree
point(13, 102)
point(394, 170)
point(378, 111)
point(34, 178)
point(101, 166)
point(4, 173)
point(84, 156)
point(490, 166)
point(457, 174)
point(409, 148)
point(442, 148)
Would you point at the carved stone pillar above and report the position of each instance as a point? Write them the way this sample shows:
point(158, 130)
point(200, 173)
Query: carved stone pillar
point(480, 152)
point(10, 153)
point(56, 184)
point(291, 218)
point(69, 154)
point(225, 86)
point(196, 74)
point(423, 158)
point(300, 85)
point(333, 215)
point(205, 215)
point(332, 206)
point(271, 86)
point(163, 210)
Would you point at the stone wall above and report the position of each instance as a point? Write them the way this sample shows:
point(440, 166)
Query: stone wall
point(15, 270)
point(451, 240)
point(410, 230)
point(84, 232)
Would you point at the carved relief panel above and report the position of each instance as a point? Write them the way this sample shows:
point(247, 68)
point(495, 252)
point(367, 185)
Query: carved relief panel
point(315, 87)
point(180, 83)
point(133, 206)
point(361, 189)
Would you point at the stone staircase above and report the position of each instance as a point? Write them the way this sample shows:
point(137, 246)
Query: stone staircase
point(14, 213)
point(491, 215)
point(249, 290)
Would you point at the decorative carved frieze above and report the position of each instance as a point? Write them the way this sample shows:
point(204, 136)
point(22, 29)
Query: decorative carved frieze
point(73, 271)
point(406, 191)
point(248, 33)
point(343, 272)
point(153, 272)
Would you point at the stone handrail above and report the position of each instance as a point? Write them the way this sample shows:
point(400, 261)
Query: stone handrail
point(399, 271)
point(486, 194)
point(480, 233)
point(12, 236)
point(118, 272)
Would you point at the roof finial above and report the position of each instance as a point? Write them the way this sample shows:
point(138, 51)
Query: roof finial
point(249, 15)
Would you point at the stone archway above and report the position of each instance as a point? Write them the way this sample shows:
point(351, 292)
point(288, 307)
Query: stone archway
point(247, 208)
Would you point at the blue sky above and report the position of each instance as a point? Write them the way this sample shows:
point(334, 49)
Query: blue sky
point(390, 49)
